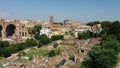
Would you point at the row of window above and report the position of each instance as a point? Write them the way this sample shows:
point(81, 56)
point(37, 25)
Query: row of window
point(22, 34)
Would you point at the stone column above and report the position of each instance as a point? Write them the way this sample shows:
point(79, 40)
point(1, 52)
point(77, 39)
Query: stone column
point(16, 31)
point(3, 32)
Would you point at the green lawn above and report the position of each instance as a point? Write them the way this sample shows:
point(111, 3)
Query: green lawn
point(37, 52)
point(43, 52)
point(21, 60)
point(82, 66)
point(0, 65)
point(67, 43)
point(31, 54)
point(51, 44)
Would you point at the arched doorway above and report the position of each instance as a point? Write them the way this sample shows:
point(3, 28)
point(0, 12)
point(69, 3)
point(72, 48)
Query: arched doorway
point(10, 30)
point(1, 30)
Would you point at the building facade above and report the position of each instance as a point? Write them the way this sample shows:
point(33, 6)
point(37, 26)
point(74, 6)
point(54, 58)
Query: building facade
point(14, 29)
point(46, 31)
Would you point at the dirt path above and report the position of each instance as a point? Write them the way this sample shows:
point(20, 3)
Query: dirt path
point(86, 42)
point(118, 64)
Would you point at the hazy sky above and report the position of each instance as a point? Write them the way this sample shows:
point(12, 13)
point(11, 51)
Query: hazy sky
point(77, 10)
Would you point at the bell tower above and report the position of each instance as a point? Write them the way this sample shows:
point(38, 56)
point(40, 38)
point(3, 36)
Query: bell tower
point(51, 20)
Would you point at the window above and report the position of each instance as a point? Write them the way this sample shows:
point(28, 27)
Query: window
point(25, 34)
point(22, 33)
point(22, 26)
point(19, 33)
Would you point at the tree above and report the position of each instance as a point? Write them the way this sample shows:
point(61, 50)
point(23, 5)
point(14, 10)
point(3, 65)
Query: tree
point(21, 46)
point(30, 31)
point(52, 53)
point(105, 27)
point(12, 49)
point(93, 23)
point(37, 36)
point(58, 52)
point(111, 28)
point(55, 45)
point(5, 52)
point(30, 42)
point(106, 24)
point(105, 55)
point(112, 44)
point(101, 58)
point(114, 28)
point(85, 35)
point(39, 44)
point(36, 31)
point(4, 44)
point(45, 40)
point(57, 37)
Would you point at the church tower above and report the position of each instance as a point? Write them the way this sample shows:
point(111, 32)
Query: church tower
point(51, 20)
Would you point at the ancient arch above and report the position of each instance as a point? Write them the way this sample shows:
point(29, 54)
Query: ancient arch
point(10, 30)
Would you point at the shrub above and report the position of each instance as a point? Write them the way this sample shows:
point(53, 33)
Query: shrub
point(30, 57)
point(4, 44)
point(52, 53)
point(58, 52)
point(99, 57)
point(45, 40)
point(30, 42)
point(85, 35)
point(55, 45)
point(21, 53)
point(112, 44)
point(57, 37)
point(39, 44)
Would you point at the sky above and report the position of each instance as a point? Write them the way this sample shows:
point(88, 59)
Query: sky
point(83, 11)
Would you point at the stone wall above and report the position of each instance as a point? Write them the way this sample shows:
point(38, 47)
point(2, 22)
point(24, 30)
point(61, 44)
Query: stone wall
point(13, 29)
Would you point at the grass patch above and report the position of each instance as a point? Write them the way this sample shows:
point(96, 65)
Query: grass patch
point(4, 62)
point(43, 52)
point(51, 44)
point(37, 52)
point(82, 66)
point(67, 43)
point(21, 60)
point(31, 54)
point(0, 65)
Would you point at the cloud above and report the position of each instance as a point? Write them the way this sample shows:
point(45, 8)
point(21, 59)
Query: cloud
point(4, 14)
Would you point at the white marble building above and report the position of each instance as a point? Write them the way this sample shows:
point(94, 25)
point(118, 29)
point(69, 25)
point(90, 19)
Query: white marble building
point(46, 31)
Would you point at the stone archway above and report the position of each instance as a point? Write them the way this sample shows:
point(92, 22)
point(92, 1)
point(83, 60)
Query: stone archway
point(1, 30)
point(10, 30)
